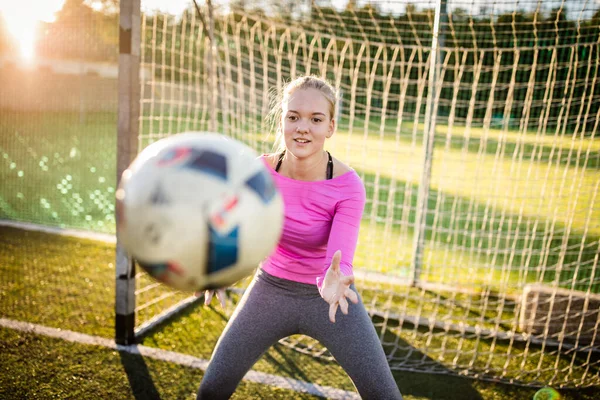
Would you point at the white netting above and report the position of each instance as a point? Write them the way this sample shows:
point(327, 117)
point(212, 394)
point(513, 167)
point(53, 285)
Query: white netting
point(478, 253)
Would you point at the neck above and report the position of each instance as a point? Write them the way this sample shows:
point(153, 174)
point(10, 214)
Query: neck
point(305, 169)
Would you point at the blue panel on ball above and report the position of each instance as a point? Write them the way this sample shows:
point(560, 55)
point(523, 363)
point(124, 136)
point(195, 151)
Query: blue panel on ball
point(209, 162)
point(262, 184)
point(155, 270)
point(222, 250)
point(159, 271)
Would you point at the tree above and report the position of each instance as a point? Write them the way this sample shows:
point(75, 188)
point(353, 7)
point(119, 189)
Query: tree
point(81, 32)
point(6, 45)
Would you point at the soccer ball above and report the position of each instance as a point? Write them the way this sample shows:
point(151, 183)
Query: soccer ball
point(198, 211)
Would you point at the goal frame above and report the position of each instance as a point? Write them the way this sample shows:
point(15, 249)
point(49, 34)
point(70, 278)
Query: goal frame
point(127, 146)
point(205, 86)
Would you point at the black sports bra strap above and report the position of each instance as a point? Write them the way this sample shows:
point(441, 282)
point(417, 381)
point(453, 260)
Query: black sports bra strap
point(329, 164)
point(280, 161)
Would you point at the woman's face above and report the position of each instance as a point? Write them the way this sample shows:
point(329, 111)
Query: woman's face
point(306, 122)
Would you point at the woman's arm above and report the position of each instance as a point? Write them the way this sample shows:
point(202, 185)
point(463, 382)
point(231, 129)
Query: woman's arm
point(345, 227)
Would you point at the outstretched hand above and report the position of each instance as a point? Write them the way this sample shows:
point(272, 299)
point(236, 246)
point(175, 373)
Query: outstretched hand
point(208, 295)
point(336, 288)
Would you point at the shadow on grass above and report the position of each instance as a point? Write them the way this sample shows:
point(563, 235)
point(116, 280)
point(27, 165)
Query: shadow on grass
point(442, 384)
point(542, 248)
point(435, 387)
point(140, 381)
point(196, 329)
point(182, 333)
point(289, 365)
point(505, 148)
point(534, 152)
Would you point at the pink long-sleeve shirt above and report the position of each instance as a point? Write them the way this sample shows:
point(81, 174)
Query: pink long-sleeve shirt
point(321, 217)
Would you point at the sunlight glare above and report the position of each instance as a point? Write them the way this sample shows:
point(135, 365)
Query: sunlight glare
point(23, 32)
point(23, 21)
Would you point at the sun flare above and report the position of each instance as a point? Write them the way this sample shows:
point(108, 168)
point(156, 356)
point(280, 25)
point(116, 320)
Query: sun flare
point(23, 32)
point(22, 22)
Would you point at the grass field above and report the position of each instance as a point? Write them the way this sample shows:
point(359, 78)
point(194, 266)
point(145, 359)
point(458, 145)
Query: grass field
point(68, 283)
point(504, 209)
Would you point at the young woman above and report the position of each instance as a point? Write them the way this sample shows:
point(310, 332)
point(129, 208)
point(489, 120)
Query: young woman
point(300, 286)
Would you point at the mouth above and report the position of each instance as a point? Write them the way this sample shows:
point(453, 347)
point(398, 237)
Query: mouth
point(302, 141)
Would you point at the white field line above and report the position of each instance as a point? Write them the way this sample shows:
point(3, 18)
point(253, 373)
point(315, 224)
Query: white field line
point(178, 358)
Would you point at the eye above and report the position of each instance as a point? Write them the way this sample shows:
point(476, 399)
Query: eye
point(292, 118)
point(316, 120)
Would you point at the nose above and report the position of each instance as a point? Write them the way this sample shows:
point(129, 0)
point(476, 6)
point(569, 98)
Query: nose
point(302, 127)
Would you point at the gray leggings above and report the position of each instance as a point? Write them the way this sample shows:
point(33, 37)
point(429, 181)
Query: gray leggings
point(273, 308)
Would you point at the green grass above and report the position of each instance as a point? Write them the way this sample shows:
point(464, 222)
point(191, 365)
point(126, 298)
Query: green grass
point(493, 220)
point(504, 209)
point(532, 187)
point(38, 367)
point(34, 366)
point(57, 169)
point(68, 283)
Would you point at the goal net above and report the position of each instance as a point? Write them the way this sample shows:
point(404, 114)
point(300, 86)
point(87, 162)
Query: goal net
point(474, 126)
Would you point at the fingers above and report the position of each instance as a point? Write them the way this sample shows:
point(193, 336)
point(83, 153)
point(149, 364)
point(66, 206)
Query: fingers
point(332, 310)
point(351, 294)
point(335, 261)
point(343, 305)
point(208, 295)
point(222, 296)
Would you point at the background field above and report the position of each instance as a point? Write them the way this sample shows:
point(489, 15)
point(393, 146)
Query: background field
point(74, 189)
point(71, 177)
point(454, 235)
point(35, 366)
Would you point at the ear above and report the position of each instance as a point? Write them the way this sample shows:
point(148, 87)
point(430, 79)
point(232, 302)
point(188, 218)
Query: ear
point(331, 128)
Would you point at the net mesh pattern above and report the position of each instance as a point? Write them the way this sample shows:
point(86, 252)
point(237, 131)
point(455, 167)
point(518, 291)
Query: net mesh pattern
point(474, 129)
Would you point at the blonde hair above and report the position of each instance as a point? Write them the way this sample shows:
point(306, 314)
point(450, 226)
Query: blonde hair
point(301, 83)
